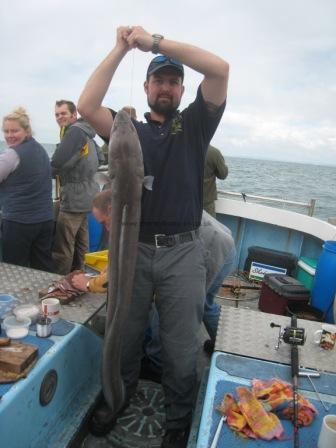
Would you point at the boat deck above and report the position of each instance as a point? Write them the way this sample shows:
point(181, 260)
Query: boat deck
point(245, 349)
point(134, 424)
point(67, 369)
point(25, 284)
point(243, 332)
point(229, 371)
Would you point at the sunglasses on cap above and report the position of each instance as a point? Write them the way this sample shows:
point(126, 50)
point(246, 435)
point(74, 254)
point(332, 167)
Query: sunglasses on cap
point(161, 58)
point(162, 61)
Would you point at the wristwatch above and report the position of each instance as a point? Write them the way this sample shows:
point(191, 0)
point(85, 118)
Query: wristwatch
point(156, 42)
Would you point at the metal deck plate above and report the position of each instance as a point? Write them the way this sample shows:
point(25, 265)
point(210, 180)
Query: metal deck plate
point(25, 283)
point(248, 333)
point(140, 426)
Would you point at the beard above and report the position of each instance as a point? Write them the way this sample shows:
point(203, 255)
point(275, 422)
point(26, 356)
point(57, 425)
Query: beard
point(167, 109)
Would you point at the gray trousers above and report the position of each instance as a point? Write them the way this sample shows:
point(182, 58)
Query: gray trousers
point(176, 277)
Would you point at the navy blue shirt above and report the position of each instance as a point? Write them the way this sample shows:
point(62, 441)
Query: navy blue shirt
point(174, 153)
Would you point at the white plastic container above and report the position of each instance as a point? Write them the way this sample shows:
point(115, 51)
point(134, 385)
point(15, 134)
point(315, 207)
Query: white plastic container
point(27, 310)
point(16, 329)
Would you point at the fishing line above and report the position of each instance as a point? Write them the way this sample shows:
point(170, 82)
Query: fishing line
point(132, 78)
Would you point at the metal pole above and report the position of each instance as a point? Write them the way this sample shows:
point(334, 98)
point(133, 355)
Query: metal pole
point(312, 207)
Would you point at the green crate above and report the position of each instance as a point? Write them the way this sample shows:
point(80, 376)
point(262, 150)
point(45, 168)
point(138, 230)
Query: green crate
point(306, 271)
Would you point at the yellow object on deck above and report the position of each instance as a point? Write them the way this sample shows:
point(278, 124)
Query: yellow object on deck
point(97, 260)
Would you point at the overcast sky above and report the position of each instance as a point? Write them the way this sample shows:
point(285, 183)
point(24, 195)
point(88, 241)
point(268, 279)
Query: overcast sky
point(282, 89)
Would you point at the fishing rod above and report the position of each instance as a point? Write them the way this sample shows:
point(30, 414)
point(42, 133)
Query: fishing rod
point(295, 375)
point(294, 336)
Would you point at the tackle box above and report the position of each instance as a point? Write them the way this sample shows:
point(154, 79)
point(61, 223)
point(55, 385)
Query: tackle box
point(278, 291)
point(261, 260)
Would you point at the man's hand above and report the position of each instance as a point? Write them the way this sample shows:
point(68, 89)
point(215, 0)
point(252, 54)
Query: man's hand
point(80, 281)
point(123, 33)
point(139, 38)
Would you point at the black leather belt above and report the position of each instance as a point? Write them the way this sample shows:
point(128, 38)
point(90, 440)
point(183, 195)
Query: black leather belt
point(162, 240)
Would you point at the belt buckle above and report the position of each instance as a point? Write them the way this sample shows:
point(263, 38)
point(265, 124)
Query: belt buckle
point(158, 235)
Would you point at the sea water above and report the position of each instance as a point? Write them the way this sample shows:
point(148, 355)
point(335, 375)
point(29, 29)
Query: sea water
point(283, 180)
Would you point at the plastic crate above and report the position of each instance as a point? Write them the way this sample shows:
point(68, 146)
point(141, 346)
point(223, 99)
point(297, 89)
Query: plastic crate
point(97, 260)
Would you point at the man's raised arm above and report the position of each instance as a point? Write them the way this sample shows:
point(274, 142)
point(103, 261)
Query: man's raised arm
point(214, 68)
point(90, 102)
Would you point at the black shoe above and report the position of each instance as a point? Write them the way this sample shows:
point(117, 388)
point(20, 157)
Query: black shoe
point(150, 371)
point(176, 438)
point(209, 347)
point(103, 419)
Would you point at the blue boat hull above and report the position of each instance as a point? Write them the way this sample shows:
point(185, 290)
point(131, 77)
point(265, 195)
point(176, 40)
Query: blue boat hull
point(25, 421)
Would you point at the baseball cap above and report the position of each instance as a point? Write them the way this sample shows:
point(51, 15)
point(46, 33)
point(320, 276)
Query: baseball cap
point(161, 61)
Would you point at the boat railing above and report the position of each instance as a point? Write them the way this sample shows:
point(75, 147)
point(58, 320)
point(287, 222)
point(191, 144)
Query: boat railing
point(308, 207)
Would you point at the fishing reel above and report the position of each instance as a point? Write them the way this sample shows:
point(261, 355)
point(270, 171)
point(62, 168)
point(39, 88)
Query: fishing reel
point(290, 335)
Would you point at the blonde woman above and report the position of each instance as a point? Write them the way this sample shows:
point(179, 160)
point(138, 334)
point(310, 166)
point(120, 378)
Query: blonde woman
point(25, 196)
